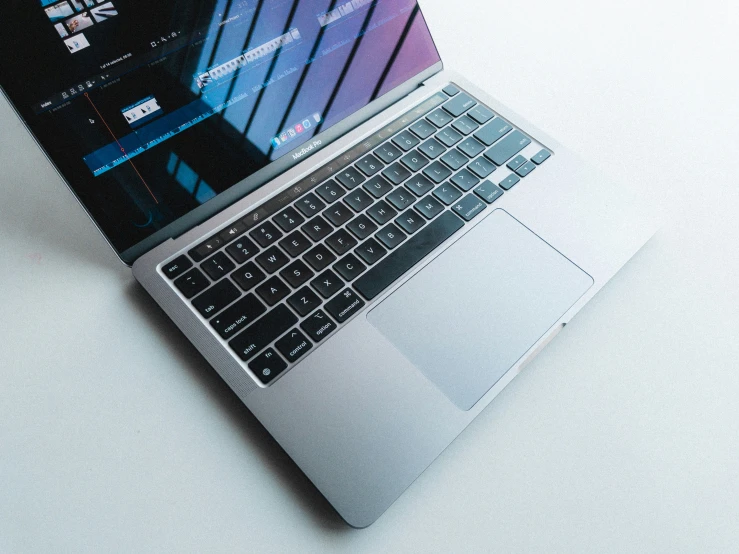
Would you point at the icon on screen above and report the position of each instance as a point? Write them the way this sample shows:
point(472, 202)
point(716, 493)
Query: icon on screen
point(299, 128)
point(307, 123)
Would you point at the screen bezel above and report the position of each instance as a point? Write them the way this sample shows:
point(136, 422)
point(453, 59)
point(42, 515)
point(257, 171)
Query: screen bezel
point(253, 182)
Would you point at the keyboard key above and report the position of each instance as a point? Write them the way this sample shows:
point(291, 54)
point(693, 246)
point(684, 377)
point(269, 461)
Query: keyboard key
point(541, 157)
point(429, 207)
point(493, 131)
point(465, 180)
point(262, 332)
point(410, 221)
point(388, 153)
point(381, 212)
point(454, 159)
point(216, 298)
point(177, 267)
point(405, 140)
point(358, 200)
point(296, 273)
point(349, 267)
point(242, 250)
point(338, 214)
point(481, 167)
point(293, 345)
point(341, 242)
point(447, 193)
point(516, 162)
point(191, 283)
point(450, 90)
point(437, 172)
point(273, 290)
point(317, 228)
point(248, 276)
point(206, 248)
point(439, 118)
point(344, 305)
point(361, 227)
point(400, 198)
point(265, 234)
point(370, 251)
point(387, 271)
point(419, 185)
point(327, 283)
point(330, 191)
point(432, 148)
point(448, 136)
point(488, 192)
point(390, 236)
point(350, 178)
point(232, 320)
point(471, 147)
point(414, 160)
point(318, 326)
point(304, 301)
point(288, 219)
point(232, 232)
point(423, 129)
point(508, 147)
point(319, 257)
point(481, 114)
point(295, 243)
point(217, 266)
point(509, 182)
point(309, 205)
point(459, 104)
point(469, 206)
point(272, 259)
point(267, 366)
point(525, 169)
point(465, 125)
point(378, 186)
point(369, 165)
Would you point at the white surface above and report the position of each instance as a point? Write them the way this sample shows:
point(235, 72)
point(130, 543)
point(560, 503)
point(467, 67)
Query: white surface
point(622, 436)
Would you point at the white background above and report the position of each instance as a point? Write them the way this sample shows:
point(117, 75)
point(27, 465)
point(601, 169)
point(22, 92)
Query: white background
point(622, 436)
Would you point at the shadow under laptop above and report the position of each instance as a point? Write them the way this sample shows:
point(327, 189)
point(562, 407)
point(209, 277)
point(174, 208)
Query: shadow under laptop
point(288, 473)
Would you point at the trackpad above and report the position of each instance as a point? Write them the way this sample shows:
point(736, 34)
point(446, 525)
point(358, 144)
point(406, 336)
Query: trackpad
point(468, 317)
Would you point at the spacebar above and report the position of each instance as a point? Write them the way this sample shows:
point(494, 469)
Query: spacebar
point(407, 255)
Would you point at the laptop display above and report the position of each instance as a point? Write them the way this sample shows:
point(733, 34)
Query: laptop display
point(152, 109)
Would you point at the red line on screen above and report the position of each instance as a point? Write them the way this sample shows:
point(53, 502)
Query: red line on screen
point(120, 146)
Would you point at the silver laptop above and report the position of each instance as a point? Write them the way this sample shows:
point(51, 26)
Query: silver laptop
point(365, 246)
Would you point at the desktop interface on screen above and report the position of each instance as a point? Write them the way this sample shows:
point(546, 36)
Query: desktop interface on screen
point(150, 109)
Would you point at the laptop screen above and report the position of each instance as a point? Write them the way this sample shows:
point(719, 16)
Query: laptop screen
point(152, 108)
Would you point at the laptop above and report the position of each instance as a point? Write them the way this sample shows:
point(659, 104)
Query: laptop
point(364, 245)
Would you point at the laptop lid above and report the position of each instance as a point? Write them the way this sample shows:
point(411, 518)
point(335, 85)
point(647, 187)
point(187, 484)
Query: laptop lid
point(160, 114)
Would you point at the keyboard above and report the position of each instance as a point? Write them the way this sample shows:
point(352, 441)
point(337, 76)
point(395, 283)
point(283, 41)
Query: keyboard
point(275, 283)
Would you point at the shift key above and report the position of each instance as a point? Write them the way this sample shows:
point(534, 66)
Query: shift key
point(508, 147)
point(263, 332)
